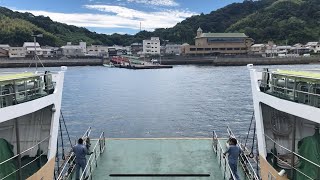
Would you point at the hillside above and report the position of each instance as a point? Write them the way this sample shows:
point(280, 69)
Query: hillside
point(291, 20)
point(278, 20)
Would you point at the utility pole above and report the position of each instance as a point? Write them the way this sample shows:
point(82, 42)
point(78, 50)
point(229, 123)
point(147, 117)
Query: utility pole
point(35, 57)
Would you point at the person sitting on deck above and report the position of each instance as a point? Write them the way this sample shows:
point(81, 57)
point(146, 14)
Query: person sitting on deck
point(233, 153)
point(80, 150)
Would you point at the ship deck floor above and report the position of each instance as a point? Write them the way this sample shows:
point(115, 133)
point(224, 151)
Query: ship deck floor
point(159, 159)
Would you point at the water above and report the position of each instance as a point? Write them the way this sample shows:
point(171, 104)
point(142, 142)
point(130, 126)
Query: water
point(185, 101)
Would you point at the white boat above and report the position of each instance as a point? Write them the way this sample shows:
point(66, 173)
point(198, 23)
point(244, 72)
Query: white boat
point(286, 109)
point(30, 104)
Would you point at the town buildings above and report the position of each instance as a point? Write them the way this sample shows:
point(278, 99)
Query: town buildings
point(97, 50)
point(17, 52)
point(32, 47)
point(152, 46)
point(218, 43)
point(173, 49)
point(74, 50)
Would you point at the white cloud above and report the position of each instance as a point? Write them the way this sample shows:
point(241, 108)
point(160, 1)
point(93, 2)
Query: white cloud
point(117, 17)
point(156, 2)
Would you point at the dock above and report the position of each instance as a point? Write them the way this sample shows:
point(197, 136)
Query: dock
point(151, 66)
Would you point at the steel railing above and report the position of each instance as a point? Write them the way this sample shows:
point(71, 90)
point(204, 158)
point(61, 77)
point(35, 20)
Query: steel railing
point(292, 165)
point(26, 94)
point(244, 161)
point(93, 158)
point(223, 162)
point(67, 167)
point(23, 152)
point(295, 94)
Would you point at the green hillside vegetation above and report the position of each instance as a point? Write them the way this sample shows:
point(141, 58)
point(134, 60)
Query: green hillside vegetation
point(285, 20)
point(264, 20)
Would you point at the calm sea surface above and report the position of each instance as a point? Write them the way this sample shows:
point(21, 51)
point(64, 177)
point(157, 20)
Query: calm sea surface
point(185, 101)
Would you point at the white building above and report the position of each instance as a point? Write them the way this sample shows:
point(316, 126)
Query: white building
point(313, 46)
point(31, 47)
point(152, 46)
point(97, 50)
point(17, 52)
point(258, 48)
point(74, 50)
point(5, 46)
point(173, 49)
point(48, 51)
point(284, 49)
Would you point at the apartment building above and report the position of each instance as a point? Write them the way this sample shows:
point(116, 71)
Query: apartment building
point(152, 46)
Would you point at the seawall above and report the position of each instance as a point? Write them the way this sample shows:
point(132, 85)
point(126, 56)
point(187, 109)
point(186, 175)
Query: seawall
point(11, 63)
point(237, 61)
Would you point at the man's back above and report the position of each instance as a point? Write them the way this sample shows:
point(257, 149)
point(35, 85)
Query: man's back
point(80, 151)
point(233, 153)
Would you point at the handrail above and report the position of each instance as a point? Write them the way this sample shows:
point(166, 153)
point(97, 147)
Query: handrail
point(32, 76)
point(288, 75)
point(218, 147)
point(291, 166)
point(25, 150)
point(13, 93)
point(245, 159)
point(37, 157)
point(71, 155)
point(292, 151)
point(90, 160)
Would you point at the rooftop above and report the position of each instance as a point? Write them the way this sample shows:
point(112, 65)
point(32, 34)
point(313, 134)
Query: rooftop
point(222, 35)
point(30, 44)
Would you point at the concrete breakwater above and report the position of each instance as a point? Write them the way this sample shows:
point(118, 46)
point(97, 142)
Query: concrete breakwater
point(177, 60)
point(237, 61)
point(12, 63)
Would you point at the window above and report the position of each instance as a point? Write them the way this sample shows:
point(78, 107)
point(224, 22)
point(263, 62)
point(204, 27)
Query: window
point(236, 48)
point(208, 49)
point(243, 48)
point(199, 49)
point(215, 49)
point(229, 49)
point(192, 49)
point(222, 49)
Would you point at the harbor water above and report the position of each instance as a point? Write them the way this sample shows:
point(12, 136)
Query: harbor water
point(185, 101)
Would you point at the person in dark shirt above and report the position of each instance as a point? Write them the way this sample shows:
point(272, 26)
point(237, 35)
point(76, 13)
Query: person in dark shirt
point(233, 153)
point(80, 150)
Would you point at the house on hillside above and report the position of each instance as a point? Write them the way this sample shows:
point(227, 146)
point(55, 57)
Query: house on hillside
point(97, 50)
point(173, 49)
point(17, 52)
point(313, 46)
point(74, 50)
point(4, 50)
point(258, 49)
point(219, 43)
point(32, 47)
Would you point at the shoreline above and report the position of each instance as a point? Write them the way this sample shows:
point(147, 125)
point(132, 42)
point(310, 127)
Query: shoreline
point(180, 60)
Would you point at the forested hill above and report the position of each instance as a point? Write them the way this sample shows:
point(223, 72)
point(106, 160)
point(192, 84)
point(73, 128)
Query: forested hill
point(277, 20)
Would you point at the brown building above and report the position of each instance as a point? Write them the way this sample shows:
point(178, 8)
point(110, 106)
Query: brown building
point(218, 43)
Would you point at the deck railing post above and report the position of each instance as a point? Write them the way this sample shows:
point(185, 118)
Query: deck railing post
point(95, 157)
point(225, 168)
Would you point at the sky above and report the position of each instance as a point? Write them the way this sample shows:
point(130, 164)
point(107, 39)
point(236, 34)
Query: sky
point(117, 16)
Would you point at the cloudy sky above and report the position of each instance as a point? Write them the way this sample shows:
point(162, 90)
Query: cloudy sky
point(117, 16)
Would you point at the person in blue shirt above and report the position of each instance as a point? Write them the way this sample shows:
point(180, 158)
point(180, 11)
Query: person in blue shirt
point(233, 153)
point(80, 150)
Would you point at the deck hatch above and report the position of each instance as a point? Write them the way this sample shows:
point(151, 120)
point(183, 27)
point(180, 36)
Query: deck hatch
point(159, 175)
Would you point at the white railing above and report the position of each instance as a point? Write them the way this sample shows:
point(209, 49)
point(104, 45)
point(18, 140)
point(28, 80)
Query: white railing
point(292, 165)
point(93, 159)
point(293, 93)
point(20, 155)
point(67, 167)
point(223, 163)
point(244, 161)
